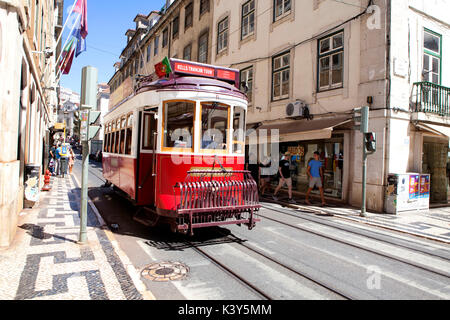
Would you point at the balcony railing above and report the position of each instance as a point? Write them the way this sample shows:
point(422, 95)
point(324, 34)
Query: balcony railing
point(431, 98)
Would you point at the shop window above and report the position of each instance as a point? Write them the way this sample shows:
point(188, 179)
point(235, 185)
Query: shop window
point(179, 124)
point(214, 126)
point(331, 62)
point(239, 130)
point(332, 157)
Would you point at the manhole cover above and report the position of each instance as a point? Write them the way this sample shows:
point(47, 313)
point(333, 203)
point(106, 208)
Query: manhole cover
point(165, 271)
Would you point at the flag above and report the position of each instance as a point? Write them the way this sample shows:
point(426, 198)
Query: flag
point(67, 65)
point(77, 37)
point(81, 8)
point(163, 68)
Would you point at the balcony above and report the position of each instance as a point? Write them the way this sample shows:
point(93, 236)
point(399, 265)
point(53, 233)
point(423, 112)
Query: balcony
point(431, 98)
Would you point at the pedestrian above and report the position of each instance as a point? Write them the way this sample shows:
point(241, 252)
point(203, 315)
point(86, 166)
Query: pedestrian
point(64, 159)
point(284, 172)
point(265, 175)
point(58, 160)
point(254, 168)
point(71, 160)
point(315, 173)
point(52, 159)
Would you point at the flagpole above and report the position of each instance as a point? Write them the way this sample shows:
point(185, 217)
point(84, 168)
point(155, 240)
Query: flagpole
point(68, 38)
point(65, 24)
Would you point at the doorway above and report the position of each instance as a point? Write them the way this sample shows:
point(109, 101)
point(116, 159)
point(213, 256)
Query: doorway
point(435, 162)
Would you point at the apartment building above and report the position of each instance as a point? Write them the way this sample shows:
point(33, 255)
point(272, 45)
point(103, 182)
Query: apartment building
point(28, 99)
point(307, 64)
point(181, 30)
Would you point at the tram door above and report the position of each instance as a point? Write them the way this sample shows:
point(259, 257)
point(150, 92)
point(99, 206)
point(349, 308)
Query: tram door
point(147, 159)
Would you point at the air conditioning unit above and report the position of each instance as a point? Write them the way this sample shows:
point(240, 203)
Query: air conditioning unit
point(295, 109)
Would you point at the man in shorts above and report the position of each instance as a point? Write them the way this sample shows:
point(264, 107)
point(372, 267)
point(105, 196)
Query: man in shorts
point(315, 173)
point(285, 177)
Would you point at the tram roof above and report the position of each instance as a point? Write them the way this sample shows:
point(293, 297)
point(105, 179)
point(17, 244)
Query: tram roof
point(192, 83)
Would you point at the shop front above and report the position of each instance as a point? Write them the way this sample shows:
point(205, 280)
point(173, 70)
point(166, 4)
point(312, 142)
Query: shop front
point(325, 136)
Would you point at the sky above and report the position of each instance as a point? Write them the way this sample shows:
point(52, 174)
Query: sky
point(108, 20)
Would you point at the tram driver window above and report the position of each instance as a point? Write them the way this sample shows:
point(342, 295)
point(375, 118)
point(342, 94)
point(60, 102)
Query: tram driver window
point(239, 130)
point(214, 126)
point(149, 130)
point(122, 135)
point(179, 124)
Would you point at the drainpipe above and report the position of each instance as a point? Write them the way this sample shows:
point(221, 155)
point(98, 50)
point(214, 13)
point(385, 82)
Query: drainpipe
point(388, 88)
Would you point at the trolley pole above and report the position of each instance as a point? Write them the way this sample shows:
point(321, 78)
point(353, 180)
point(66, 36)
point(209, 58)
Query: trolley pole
point(88, 100)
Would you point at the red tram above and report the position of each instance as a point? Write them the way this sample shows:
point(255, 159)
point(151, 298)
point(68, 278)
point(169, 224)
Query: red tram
point(177, 147)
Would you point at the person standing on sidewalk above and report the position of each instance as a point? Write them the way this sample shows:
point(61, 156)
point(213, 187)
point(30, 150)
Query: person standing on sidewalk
point(58, 160)
point(71, 160)
point(285, 177)
point(265, 178)
point(315, 173)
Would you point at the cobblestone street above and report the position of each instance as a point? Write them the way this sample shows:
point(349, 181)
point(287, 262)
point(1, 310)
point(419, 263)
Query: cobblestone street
point(45, 262)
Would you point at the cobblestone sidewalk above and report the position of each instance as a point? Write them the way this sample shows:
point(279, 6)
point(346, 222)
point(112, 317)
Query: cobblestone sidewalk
point(46, 263)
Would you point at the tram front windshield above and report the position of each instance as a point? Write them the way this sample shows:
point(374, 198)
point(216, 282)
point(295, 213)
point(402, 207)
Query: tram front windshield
point(215, 122)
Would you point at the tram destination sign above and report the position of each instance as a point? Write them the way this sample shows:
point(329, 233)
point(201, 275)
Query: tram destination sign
point(208, 71)
point(194, 69)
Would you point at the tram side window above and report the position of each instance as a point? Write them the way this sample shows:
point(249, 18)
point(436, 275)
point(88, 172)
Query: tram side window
point(149, 129)
point(239, 130)
point(113, 138)
point(117, 144)
point(214, 126)
point(122, 135)
point(129, 134)
point(179, 124)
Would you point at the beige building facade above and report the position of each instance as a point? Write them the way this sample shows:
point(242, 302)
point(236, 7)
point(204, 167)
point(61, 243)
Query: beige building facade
point(28, 100)
point(308, 64)
point(181, 30)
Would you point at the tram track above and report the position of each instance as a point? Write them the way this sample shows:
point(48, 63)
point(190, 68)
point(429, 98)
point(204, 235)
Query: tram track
point(365, 235)
point(235, 240)
point(361, 247)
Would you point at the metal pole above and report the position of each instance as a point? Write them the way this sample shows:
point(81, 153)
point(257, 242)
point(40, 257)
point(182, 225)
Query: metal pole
point(88, 101)
point(364, 182)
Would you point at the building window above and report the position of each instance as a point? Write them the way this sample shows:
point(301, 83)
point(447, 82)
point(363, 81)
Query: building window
point(187, 52)
point(247, 83)
point(203, 48)
point(156, 46)
point(149, 52)
point(222, 35)
point(165, 39)
point(136, 66)
point(204, 6)
point(281, 9)
point(432, 57)
point(331, 62)
point(188, 15)
point(281, 68)
point(248, 19)
point(175, 27)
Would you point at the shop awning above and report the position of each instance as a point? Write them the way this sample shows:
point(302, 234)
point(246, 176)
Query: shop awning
point(435, 129)
point(304, 130)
